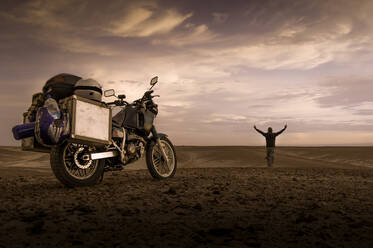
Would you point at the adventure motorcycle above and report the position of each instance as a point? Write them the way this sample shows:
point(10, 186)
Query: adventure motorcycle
point(82, 160)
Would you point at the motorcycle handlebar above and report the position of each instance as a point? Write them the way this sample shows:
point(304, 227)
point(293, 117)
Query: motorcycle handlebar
point(147, 94)
point(117, 103)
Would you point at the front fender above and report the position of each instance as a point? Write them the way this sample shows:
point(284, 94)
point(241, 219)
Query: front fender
point(160, 135)
point(152, 139)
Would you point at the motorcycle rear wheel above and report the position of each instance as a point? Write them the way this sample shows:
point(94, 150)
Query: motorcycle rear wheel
point(155, 162)
point(69, 167)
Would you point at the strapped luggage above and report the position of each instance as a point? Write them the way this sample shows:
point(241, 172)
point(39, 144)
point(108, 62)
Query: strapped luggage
point(23, 131)
point(60, 86)
point(42, 128)
point(89, 88)
point(51, 127)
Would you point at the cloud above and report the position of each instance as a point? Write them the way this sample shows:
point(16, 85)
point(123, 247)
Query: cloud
point(346, 92)
point(295, 38)
point(220, 17)
point(368, 112)
point(133, 82)
point(299, 36)
point(77, 45)
point(83, 27)
point(141, 22)
point(191, 34)
point(285, 54)
point(129, 25)
point(223, 118)
point(335, 138)
point(288, 94)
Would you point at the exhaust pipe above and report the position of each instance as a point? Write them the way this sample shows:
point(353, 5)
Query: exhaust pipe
point(102, 155)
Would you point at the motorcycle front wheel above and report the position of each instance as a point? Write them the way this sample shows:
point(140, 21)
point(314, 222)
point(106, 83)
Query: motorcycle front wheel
point(155, 162)
point(72, 168)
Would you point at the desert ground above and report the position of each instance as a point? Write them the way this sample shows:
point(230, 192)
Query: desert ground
point(219, 197)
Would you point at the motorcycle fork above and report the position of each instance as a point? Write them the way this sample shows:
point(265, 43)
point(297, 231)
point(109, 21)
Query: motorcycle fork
point(158, 140)
point(121, 148)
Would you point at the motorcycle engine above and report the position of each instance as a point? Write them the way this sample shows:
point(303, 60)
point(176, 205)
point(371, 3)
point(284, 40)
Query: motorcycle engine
point(131, 148)
point(135, 149)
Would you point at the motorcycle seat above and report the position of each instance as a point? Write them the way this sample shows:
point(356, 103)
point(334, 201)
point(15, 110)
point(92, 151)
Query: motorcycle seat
point(115, 124)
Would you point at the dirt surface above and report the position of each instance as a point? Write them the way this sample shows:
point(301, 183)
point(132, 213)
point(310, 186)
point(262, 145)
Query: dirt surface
point(317, 201)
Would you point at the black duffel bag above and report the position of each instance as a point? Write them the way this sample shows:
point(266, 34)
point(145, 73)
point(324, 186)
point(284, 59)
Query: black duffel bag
point(60, 86)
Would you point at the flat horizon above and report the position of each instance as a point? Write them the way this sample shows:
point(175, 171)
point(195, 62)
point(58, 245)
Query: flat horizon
point(279, 146)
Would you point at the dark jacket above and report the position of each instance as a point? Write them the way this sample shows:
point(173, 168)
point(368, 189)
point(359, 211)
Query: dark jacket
point(270, 137)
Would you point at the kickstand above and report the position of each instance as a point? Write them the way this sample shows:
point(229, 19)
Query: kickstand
point(101, 177)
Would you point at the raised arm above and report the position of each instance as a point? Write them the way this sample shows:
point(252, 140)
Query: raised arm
point(259, 131)
point(282, 130)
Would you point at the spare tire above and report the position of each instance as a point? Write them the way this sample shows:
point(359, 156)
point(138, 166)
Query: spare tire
point(60, 86)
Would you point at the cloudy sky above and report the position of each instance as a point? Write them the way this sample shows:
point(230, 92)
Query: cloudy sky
point(223, 66)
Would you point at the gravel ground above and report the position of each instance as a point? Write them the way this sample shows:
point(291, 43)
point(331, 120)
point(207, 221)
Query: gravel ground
point(199, 207)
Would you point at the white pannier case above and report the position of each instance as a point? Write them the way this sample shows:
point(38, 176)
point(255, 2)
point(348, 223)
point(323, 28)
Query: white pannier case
point(90, 120)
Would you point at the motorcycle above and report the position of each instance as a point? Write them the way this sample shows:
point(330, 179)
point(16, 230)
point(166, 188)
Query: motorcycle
point(132, 135)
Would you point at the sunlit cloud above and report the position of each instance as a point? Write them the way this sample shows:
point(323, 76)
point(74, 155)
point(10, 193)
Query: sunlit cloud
point(141, 22)
point(192, 35)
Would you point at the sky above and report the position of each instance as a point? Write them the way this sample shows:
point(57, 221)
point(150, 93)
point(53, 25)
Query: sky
point(223, 66)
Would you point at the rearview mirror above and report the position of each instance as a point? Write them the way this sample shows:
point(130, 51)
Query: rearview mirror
point(154, 81)
point(108, 93)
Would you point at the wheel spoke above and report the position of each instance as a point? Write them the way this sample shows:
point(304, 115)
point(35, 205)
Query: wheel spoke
point(157, 160)
point(69, 158)
point(75, 166)
point(161, 166)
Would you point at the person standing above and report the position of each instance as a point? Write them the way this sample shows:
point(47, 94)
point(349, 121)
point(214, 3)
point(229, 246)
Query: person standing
point(270, 143)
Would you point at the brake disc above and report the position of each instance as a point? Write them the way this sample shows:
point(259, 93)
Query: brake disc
point(79, 161)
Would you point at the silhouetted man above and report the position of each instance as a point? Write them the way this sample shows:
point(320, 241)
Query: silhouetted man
point(271, 143)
